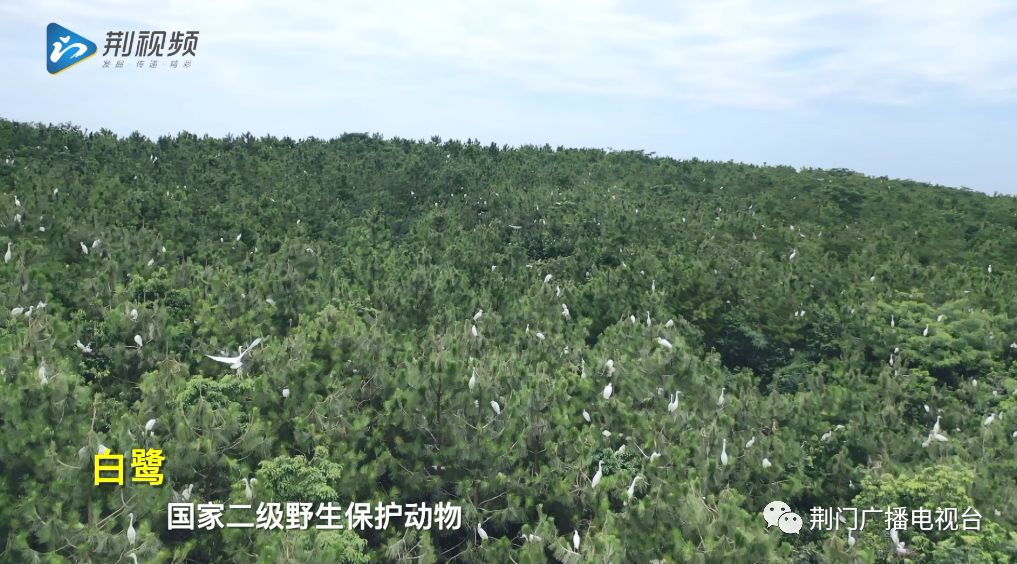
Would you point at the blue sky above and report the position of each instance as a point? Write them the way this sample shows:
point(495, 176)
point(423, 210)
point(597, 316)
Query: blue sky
point(919, 89)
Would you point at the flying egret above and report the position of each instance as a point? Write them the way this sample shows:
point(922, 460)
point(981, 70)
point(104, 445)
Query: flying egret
point(664, 343)
point(150, 425)
point(750, 442)
point(249, 488)
point(285, 393)
point(8, 255)
point(599, 474)
point(473, 379)
point(721, 400)
point(496, 407)
point(575, 539)
point(482, 532)
point(632, 487)
point(84, 248)
point(478, 315)
point(766, 463)
point(132, 535)
point(586, 415)
point(236, 362)
point(723, 452)
point(138, 341)
point(608, 390)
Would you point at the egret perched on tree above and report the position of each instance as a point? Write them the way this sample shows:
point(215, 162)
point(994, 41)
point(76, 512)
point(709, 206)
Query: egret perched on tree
point(989, 420)
point(723, 452)
point(43, 379)
point(893, 322)
point(8, 255)
point(17, 311)
point(925, 332)
point(851, 539)
point(496, 407)
point(482, 532)
point(721, 400)
point(794, 253)
point(565, 311)
point(940, 318)
point(132, 535)
point(473, 379)
point(151, 261)
point(575, 540)
point(134, 314)
point(766, 463)
point(599, 474)
point(150, 425)
point(249, 488)
point(632, 487)
point(474, 332)
point(826, 436)
point(236, 362)
point(610, 367)
point(540, 335)
point(664, 343)
point(96, 243)
point(285, 392)
point(547, 278)
point(669, 324)
point(990, 269)
point(608, 390)
point(84, 248)
point(672, 405)
point(133, 557)
point(17, 202)
point(586, 415)
point(632, 319)
point(139, 341)
point(86, 349)
point(478, 315)
point(654, 456)
point(750, 442)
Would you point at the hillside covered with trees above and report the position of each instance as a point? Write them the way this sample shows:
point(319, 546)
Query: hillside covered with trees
point(766, 333)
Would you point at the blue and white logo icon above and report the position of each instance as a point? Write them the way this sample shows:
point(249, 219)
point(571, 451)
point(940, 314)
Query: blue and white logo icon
point(64, 48)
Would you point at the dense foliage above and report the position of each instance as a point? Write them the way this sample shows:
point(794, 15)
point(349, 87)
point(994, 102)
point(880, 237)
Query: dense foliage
point(361, 262)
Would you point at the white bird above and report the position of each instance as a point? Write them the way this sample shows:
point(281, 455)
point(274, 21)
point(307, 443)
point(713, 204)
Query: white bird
point(990, 269)
point(473, 379)
point(87, 349)
point(134, 314)
point(96, 243)
point(989, 420)
point(150, 425)
point(632, 486)
point(8, 255)
point(17, 311)
point(17, 218)
point(236, 362)
point(575, 539)
point(794, 253)
point(43, 379)
point(898, 545)
point(893, 322)
point(239, 235)
point(766, 463)
point(540, 335)
point(664, 343)
point(721, 400)
point(249, 488)
point(565, 311)
point(723, 452)
point(285, 392)
point(872, 278)
point(851, 539)
point(547, 278)
point(925, 332)
point(606, 433)
point(750, 442)
point(610, 367)
point(586, 415)
point(826, 436)
point(138, 341)
point(132, 535)
point(474, 332)
point(599, 474)
point(654, 456)
point(939, 318)
point(582, 371)
point(482, 533)
point(669, 324)
point(673, 404)
point(557, 291)
point(653, 286)
point(133, 557)
point(84, 248)
point(478, 315)
point(608, 390)
point(532, 538)
point(496, 407)
point(151, 261)
point(935, 427)
point(648, 322)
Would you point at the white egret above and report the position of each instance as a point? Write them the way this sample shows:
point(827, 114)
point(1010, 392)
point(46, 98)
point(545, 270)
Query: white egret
point(139, 341)
point(925, 332)
point(17, 202)
point(496, 407)
point(826, 436)
point(150, 425)
point(653, 286)
point(664, 343)
point(540, 335)
point(547, 278)
point(249, 488)
point(989, 420)
point(132, 535)
point(721, 400)
point(586, 415)
point(723, 452)
point(151, 261)
point(239, 235)
point(872, 278)
point(654, 456)
point(236, 362)
point(898, 544)
point(632, 319)
point(939, 318)
point(632, 487)
point(935, 427)
point(557, 291)
point(669, 324)
point(133, 557)
point(648, 322)
point(473, 379)
point(575, 539)
point(17, 218)
point(750, 442)
point(565, 311)
point(17, 311)
point(990, 269)
point(102, 449)
point(893, 322)
point(766, 463)
point(582, 370)
point(43, 379)
point(482, 533)
point(673, 404)
point(162, 249)
point(851, 539)
point(84, 248)
point(478, 315)
point(606, 433)
point(599, 474)
point(134, 314)
point(96, 243)
point(610, 367)
point(285, 393)
point(474, 332)
point(608, 390)
point(8, 255)
point(87, 349)
point(794, 253)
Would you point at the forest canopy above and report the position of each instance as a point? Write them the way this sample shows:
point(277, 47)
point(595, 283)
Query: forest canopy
point(634, 351)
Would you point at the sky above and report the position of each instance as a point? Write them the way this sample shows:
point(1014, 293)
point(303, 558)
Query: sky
point(918, 89)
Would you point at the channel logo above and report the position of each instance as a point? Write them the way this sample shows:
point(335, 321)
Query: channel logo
point(64, 48)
